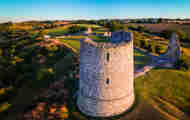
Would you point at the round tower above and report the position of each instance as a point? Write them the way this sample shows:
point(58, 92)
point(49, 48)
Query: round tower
point(106, 77)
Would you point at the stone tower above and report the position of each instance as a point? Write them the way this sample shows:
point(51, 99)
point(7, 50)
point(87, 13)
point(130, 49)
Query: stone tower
point(106, 77)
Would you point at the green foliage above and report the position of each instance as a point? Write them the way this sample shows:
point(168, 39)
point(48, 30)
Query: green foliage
point(183, 63)
point(142, 44)
point(133, 27)
point(158, 49)
point(150, 48)
point(142, 28)
point(4, 106)
point(115, 26)
point(146, 44)
point(182, 35)
point(76, 29)
point(137, 43)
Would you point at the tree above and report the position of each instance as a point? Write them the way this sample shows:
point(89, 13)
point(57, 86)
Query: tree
point(142, 43)
point(182, 35)
point(167, 34)
point(158, 49)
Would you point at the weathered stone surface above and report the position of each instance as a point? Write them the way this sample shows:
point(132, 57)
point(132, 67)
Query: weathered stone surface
point(89, 31)
point(107, 34)
point(106, 77)
point(173, 52)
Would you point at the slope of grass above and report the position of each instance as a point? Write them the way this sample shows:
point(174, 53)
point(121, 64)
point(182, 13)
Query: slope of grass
point(57, 31)
point(169, 84)
point(141, 59)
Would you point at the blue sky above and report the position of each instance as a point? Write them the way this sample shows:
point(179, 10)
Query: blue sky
point(92, 9)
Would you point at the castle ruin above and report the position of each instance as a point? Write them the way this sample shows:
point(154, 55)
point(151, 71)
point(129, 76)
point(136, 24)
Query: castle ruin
point(173, 51)
point(106, 85)
point(172, 54)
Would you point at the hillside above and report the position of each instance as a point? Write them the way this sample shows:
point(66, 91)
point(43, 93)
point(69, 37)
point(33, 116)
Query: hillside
point(162, 94)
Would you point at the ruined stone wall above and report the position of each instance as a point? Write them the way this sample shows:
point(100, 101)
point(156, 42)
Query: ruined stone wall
point(173, 52)
point(106, 78)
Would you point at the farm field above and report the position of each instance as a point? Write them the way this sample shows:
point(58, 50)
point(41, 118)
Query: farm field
point(160, 27)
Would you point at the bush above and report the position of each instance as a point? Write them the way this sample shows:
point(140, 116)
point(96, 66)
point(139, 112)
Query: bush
point(146, 45)
point(137, 43)
point(75, 29)
point(183, 63)
point(182, 35)
point(132, 27)
point(150, 48)
point(158, 49)
point(142, 28)
point(142, 43)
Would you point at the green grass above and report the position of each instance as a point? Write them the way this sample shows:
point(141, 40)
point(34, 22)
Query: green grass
point(169, 84)
point(168, 88)
point(73, 43)
point(88, 25)
point(140, 58)
point(57, 31)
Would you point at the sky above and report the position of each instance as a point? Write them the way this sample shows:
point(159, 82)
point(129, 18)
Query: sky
point(21, 10)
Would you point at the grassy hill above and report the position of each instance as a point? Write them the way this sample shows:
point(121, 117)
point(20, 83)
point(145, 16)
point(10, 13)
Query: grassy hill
point(162, 94)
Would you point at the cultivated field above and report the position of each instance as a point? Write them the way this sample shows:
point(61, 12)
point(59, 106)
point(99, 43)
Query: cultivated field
point(160, 27)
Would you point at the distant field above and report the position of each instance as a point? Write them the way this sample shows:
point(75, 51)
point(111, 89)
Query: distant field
point(57, 31)
point(161, 27)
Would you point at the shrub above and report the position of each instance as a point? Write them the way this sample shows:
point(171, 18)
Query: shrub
point(132, 27)
point(158, 49)
point(150, 48)
point(146, 45)
point(137, 43)
point(142, 28)
point(182, 35)
point(75, 29)
point(183, 63)
point(142, 43)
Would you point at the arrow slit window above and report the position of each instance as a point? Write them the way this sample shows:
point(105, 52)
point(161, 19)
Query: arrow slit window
point(107, 81)
point(108, 57)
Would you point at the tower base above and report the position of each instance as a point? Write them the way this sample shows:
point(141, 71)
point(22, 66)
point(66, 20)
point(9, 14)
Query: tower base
point(104, 108)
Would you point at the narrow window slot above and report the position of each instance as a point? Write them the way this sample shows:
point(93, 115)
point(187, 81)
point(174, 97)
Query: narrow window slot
point(108, 81)
point(108, 57)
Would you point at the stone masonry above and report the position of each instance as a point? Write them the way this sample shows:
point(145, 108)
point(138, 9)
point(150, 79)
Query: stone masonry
point(106, 86)
point(172, 54)
point(173, 51)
